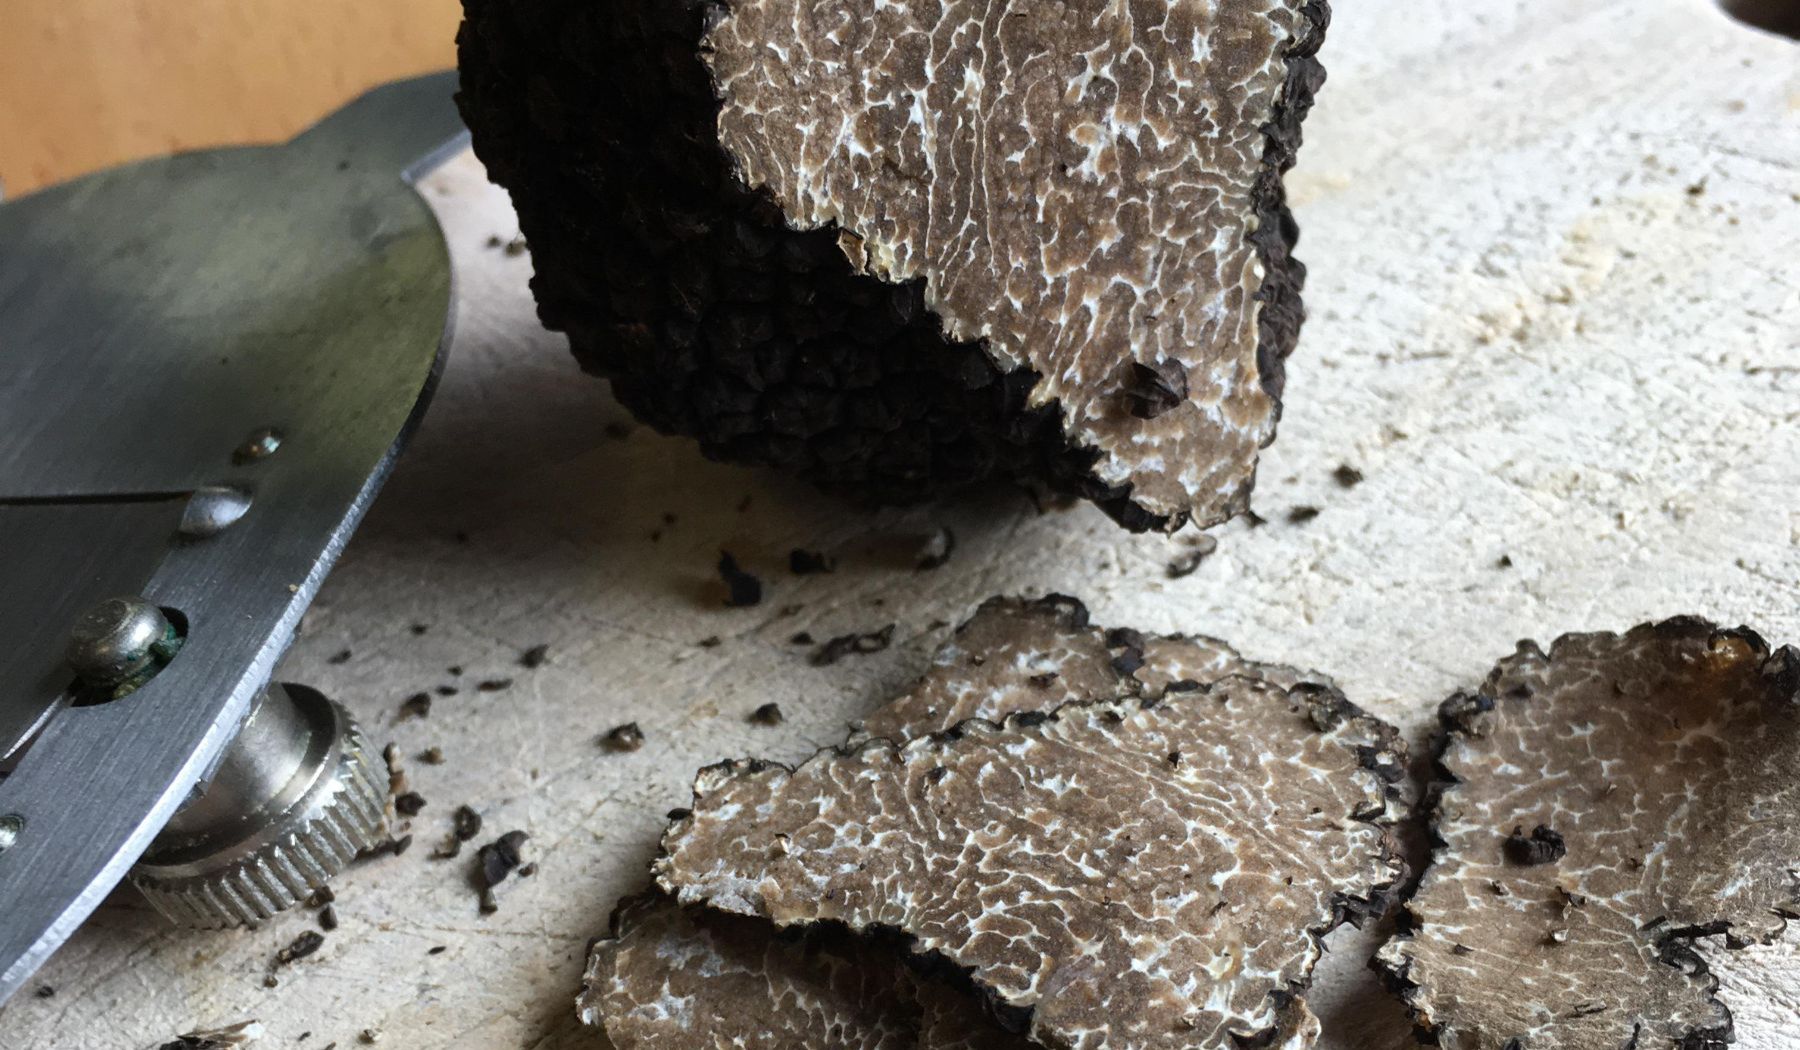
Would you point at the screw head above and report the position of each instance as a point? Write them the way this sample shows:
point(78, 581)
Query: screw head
point(259, 445)
point(116, 639)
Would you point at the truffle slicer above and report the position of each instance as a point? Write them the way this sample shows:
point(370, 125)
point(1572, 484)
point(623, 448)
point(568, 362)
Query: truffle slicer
point(211, 361)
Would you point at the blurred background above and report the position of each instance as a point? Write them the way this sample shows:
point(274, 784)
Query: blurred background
point(92, 83)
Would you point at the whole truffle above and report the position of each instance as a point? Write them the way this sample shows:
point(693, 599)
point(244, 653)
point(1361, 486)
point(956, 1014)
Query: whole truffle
point(1129, 874)
point(1608, 802)
point(898, 247)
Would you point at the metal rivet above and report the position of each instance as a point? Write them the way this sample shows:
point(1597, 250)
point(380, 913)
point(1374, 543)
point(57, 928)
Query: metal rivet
point(119, 639)
point(10, 826)
point(257, 446)
point(212, 510)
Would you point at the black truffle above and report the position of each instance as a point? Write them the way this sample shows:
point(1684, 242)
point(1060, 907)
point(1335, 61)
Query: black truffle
point(1669, 757)
point(860, 308)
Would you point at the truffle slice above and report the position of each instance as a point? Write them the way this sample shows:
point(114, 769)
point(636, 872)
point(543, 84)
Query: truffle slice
point(671, 978)
point(1654, 779)
point(895, 247)
point(1124, 874)
point(1019, 654)
point(1012, 655)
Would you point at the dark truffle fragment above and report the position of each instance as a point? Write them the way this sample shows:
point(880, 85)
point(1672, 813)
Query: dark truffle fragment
point(847, 644)
point(627, 737)
point(1200, 859)
point(417, 705)
point(1650, 751)
point(741, 588)
point(1543, 846)
point(499, 858)
point(809, 563)
point(465, 823)
point(894, 328)
point(767, 715)
point(300, 947)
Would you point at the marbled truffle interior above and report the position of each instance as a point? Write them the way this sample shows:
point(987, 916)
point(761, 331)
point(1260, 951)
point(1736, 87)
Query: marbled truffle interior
point(1666, 763)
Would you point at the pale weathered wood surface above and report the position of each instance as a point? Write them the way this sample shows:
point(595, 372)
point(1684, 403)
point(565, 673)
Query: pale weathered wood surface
point(1528, 332)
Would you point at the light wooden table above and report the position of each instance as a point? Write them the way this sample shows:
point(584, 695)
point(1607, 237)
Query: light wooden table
point(1527, 333)
point(86, 84)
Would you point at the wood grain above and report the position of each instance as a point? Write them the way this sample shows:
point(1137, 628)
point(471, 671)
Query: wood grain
point(92, 83)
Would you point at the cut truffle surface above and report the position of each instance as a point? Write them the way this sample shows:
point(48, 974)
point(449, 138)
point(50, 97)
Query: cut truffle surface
point(897, 247)
point(670, 977)
point(1605, 803)
point(1098, 893)
point(1035, 654)
point(1012, 655)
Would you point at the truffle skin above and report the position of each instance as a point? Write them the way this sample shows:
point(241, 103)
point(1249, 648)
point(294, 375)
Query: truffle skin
point(1668, 760)
point(1019, 654)
point(871, 308)
point(670, 978)
point(1099, 893)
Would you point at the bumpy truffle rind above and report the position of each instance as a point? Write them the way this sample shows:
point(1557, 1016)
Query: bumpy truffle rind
point(714, 318)
point(1666, 761)
point(1160, 799)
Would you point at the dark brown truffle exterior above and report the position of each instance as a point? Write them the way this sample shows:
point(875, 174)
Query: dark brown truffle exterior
point(714, 317)
point(1604, 804)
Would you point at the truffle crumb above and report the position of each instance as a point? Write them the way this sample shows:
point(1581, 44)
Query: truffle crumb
point(1152, 390)
point(300, 947)
point(627, 737)
point(1543, 846)
point(742, 589)
point(845, 644)
point(1347, 476)
point(409, 804)
point(500, 858)
point(534, 657)
point(1302, 515)
point(342, 656)
point(417, 705)
point(767, 715)
point(465, 823)
point(495, 685)
point(808, 563)
point(1184, 564)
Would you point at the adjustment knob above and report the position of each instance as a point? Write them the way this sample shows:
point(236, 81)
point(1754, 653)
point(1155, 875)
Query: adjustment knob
point(296, 796)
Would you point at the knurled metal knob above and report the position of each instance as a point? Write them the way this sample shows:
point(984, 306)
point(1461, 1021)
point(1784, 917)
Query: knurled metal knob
point(296, 796)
